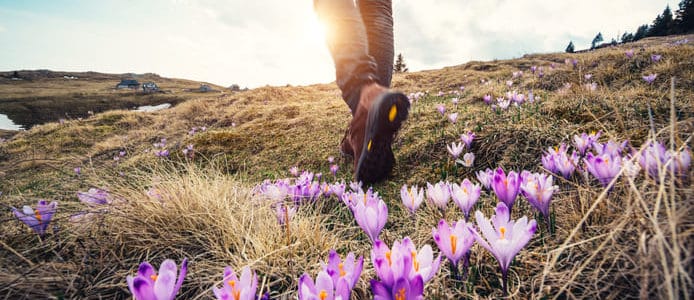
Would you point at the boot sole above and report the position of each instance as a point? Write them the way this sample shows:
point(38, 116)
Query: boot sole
point(385, 118)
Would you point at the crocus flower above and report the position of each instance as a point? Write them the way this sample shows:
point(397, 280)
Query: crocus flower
point(148, 285)
point(503, 103)
point(345, 272)
point(284, 213)
point(538, 189)
point(439, 194)
point(78, 170)
point(611, 147)
point(650, 78)
point(465, 195)
point(588, 76)
point(403, 261)
point(487, 99)
point(371, 215)
point(402, 290)
point(509, 83)
point(485, 177)
point(503, 237)
point(682, 160)
point(233, 288)
point(331, 159)
point(455, 100)
point(656, 57)
point(455, 149)
point(533, 69)
point(337, 189)
point(468, 160)
point(506, 187)
point(323, 289)
point(629, 53)
point(453, 117)
point(333, 169)
point(604, 167)
point(453, 241)
point(294, 171)
point(583, 142)
point(412, 197)
point(94, 197)
point(37, 218)
point(442, 109)
point(467, 138)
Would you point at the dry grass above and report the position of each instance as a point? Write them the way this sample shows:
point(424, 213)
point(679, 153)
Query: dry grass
point(633, 242)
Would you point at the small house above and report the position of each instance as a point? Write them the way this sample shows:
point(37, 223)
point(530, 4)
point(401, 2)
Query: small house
point(128, 84)
point(150, 87)
point(205, 88)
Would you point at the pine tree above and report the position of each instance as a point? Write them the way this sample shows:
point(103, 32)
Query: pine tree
point(400, 66)
point(662, 25)
point(597, 39)
point(640, 32)
point(570, 47)
point(627, 37)
point(684, 21)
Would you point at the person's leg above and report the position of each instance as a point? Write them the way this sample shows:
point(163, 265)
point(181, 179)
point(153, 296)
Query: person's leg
point(378, 20)
point(348, 44)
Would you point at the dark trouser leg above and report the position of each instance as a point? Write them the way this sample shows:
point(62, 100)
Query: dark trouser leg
point(378, 20)
point(348, 45)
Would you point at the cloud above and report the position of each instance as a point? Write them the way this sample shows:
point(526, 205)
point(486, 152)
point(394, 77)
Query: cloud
point(2, 29)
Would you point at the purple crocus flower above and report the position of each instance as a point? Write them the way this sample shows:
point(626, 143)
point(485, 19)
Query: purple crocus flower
point(233, 288)
point(583, 142)
point(455, 100)
point(453, 117)
point(683, 160)
point(533, 69)
point(441, 108)
point(468, 160)
point(333, 169)
point(439, 194)
point(611, 147)
point(485, 178)
point(371, 215)
point(403, 261)
point(487, 99)
point(629, 53)
point(604, 167)
point(455, 149)
point(453, 241)
point(294, 171)
point(588, 76)
point(467, 138)
point(403, 289)
point(653, 158)
point(37, 218)
point(284, 213)
point(506, 187)
point(331, 159)
point(94, 196)
point(656, 57)
point(345, 272)
point(503, 237)
point(503, 103)
point(650, 78)
point(148, 285)
point(412, 197)
point(78, 170)
point(323, 289)
point(538, 189)
point(337, 189)
point(465, 195)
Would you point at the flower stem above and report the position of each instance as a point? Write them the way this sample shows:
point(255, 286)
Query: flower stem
point(504, 280)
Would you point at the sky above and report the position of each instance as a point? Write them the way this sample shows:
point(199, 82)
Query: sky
point(277, 42)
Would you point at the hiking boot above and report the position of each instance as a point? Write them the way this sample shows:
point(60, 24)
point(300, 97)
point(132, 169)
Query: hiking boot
point(378, 117)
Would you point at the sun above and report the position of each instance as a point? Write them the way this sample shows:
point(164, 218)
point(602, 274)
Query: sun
point(314, 30)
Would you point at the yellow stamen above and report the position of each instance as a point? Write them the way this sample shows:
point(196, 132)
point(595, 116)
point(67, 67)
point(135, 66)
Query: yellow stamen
point(388, 258)
point(411, 196)
point(502, 230)
point(322, 295)
point(392, 113)
point(506, 182)
point(38, 215)
point(400, 295)
point(236, 293)
point(368, 146)
point(415, 263)
point(454, 240)
point(340, 267)
point(465, 190)
point(364, 199)
point(232, 283)
point(154, 277)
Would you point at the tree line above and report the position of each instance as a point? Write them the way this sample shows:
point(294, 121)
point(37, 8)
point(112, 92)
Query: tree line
point(664, 24)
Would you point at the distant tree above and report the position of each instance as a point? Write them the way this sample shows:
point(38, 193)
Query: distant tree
point(235, 87)
point(570, 47)
point(627, 37)
point(684, 22)
point(596, 40)
point(640, 32)
point(613, 42)
point(662, 25)
point(400, 66)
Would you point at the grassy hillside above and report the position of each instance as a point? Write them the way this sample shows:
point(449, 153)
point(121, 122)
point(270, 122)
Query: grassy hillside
point(633, 241)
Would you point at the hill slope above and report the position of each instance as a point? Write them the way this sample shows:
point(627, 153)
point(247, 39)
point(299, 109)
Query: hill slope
point(630, 242)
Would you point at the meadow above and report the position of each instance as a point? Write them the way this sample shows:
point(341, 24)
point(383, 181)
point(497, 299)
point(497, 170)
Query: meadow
point(255, 179)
